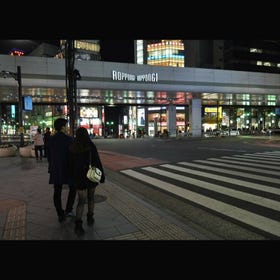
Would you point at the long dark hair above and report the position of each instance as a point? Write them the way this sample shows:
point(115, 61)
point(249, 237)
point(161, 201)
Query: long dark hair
point(81, 141)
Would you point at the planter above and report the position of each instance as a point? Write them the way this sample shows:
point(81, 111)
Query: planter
point(25, 151)
point(8, 150)
point(32, 152)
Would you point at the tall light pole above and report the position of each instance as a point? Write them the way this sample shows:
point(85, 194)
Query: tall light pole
point(69, 70)
point(72, 75)
point(76, 76)
point(229, 117)
point(17, 77)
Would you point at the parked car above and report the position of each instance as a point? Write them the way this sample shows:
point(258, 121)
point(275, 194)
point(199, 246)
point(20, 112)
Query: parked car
point(234, 132)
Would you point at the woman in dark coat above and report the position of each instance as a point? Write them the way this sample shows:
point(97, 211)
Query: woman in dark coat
point(82, 150)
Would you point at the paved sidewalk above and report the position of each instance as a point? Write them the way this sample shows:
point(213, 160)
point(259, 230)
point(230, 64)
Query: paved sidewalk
point(27, 211)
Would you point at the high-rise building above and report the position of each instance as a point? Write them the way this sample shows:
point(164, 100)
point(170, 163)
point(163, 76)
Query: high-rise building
point(45, 50)
point(252, 55)
point(241, 55)
point(176, 53)
point(84, 49)
point(160, 52)
point(18, 47)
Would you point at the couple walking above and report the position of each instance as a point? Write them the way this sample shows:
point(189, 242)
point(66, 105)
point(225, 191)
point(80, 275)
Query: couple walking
point(68, 164)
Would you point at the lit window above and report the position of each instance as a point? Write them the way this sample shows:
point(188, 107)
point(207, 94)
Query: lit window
point(259, 63)
point(140, 52)
point(271, 97)
point(270, 103)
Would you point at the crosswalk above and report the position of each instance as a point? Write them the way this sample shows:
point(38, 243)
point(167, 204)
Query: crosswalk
point(244, 188)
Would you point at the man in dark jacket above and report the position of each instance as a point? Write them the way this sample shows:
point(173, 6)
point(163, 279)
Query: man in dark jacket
point(59, 168)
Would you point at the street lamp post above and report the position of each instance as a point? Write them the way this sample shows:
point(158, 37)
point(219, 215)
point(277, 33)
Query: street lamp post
point(229, 117)
point(76, 76)
point(17, 77)
point(0, 123)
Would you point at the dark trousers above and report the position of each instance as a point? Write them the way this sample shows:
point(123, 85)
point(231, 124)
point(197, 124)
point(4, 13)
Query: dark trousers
point(85, 196)
point(40, 150)
point(47, 153)
point(57, 199)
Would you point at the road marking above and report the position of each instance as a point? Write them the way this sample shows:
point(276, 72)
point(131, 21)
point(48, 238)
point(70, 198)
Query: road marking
point(232, 172)
point(255, 220)
point(249, 214)
point(220, 149)
point(234, 181)
point(236, 161)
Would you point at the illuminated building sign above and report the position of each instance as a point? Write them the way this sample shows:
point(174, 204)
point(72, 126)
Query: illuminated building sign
point(94, 47)
point(141, 117)
point(212, 109)
point(84, 45)
point(16, 52)
point(27, 103)
point(88, 112)
point(13, 111)
point(122, 76)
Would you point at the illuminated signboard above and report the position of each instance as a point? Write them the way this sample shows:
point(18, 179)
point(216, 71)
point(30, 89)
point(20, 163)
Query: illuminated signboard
point(89, 112)
point(123, 76)
point(16, 52)
point(141, 117)
point(13, 111)
point(27, 103)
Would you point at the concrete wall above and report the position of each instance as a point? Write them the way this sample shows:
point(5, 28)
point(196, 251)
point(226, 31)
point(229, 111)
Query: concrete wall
point(50, 72)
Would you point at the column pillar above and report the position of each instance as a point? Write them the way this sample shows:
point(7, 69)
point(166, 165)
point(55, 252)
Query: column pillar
point(171, 120)
point(195, 117)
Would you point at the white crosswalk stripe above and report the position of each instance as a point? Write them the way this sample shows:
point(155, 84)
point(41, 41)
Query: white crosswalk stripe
point(256, 160)
point(250, 196)
point(232, 172)
point(258, 157)
point(234, 160)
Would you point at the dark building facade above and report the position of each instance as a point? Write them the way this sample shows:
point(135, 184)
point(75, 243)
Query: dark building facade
point(252, 55)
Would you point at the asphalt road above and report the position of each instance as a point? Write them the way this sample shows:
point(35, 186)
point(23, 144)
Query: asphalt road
point(199, 208)
point(188, 148)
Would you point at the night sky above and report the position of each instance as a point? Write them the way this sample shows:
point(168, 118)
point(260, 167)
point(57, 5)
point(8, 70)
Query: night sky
point(111, 50)
point(117, 50)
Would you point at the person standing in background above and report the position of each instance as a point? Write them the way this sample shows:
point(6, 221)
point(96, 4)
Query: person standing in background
point(83, 152)
point(38, 144)
point(59, 168)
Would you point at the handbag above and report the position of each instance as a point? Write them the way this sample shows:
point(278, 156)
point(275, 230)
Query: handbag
point(94, 173)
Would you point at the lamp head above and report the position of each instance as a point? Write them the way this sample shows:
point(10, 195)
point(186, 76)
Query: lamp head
point(4, 74)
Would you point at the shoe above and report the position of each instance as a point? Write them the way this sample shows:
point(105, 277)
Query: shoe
point(79, 230)
point(61, 218)
point(69, 214)
point(90, 219)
